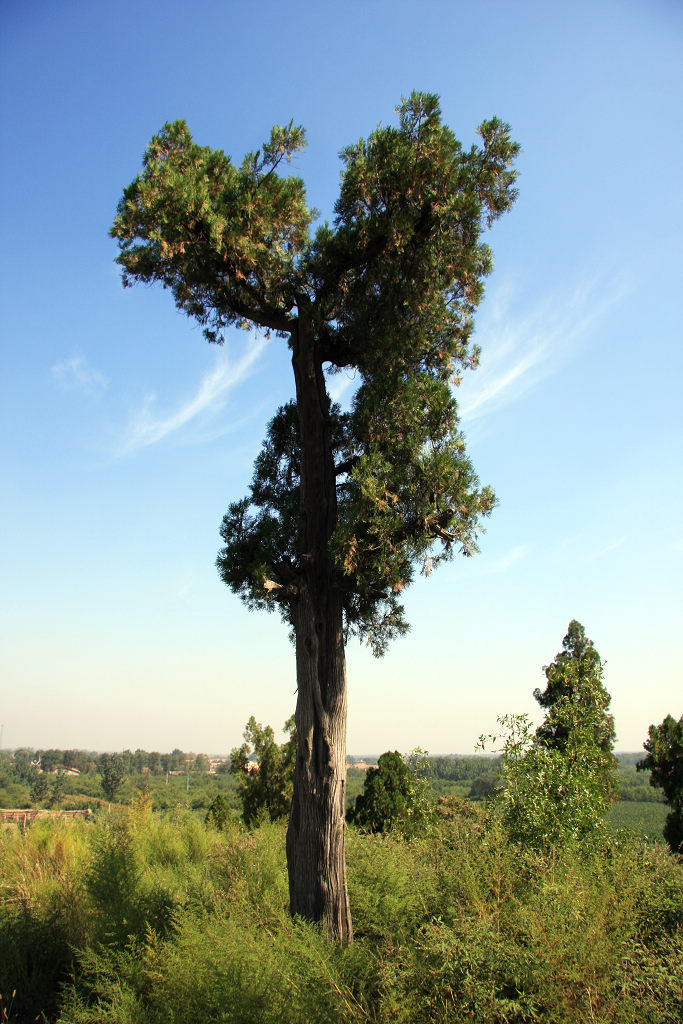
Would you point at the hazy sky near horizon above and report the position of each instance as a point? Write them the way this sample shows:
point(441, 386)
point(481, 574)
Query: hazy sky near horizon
point(125, 435)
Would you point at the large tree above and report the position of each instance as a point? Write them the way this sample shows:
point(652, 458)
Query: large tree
point(342, 507)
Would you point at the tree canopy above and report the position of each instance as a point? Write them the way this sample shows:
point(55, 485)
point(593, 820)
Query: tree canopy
point(113, 774)
point(575, 688)
point(390, 289)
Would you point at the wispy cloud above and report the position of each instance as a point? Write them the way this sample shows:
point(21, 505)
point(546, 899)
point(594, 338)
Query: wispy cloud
point(340, 386)
point(512, 557)
point(606, 549)
point(75, 374)
point(147, 428)
point(587, 545)
point(520, 350)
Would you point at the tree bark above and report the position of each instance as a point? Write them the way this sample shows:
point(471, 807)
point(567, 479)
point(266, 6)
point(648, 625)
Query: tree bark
point(316, 837)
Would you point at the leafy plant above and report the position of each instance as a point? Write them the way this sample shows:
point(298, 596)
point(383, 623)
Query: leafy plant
point(219, 813)
point(174, 922)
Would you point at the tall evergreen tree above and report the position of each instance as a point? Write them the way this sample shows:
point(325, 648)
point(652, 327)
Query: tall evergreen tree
point(558, 781)
point(575, 678)
point(342, 507)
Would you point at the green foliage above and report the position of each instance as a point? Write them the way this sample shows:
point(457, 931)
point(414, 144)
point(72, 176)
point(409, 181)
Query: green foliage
point(459, 769)
point(42, 915)
point(557, 784)
point(224, 239)
point(634, 784)
point(389, 289)
point(546, 797)
point(218, 813)
point(267, 788)
point(13, 792)
point(574, 693)
point(22, 769)
point(58, 789)
point(484, 786)
point(664, 760)
point(395, 796)
point(39, 787)
point(113, 774)
point(172, 921)
point(85, 790)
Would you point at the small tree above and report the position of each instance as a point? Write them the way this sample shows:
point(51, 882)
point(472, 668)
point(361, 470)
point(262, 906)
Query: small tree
point(113, 774)
point(21, 764)
point(664, 760)
point(265, 771)
point(218, 813)
point(557, 782)
point(39, 786)
point(58, 789)
point(394, 796)
point(484, 786)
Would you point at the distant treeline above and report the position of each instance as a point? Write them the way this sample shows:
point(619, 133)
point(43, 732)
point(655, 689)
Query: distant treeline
point(633, 785)
point(451, 767)
point(86, 762)
point(458, 769)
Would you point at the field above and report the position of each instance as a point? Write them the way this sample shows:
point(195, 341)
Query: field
point(645, 819)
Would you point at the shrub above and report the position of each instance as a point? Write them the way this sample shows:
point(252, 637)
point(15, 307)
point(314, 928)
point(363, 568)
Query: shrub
point(218, 813)
point(176, 923)
point(395, 796)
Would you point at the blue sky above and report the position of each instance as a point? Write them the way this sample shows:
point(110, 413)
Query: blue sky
point(125, 436)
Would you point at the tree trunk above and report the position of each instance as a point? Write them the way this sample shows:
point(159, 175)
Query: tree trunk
point(316, 838)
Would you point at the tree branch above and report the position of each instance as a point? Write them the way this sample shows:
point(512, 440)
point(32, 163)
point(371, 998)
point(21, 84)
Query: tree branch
point(346, 466)
point(280, 592)
point(269, 318)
